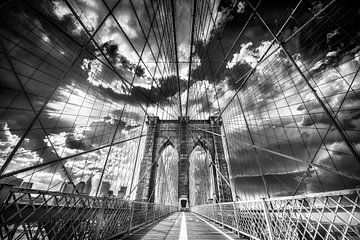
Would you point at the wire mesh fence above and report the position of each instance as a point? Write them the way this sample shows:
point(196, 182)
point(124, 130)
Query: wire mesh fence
point(34, 214)
point(330, 215)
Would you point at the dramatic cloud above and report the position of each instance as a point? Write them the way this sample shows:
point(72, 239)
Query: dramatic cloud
point(23, 157)
point(127, 71)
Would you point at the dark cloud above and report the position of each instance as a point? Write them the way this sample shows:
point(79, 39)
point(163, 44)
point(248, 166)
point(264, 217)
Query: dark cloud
point(111, 49)
point(340, 155)
point(310, 106)
point(133, 115)
point(167, 87)
point(314, 118)
point(73, 143)
point(274, 14)
point(249, 187)
point(109, 93)
point(101, 132)
point(346, 118)
point(314, 43)
point(140, 94)
point(235, 75)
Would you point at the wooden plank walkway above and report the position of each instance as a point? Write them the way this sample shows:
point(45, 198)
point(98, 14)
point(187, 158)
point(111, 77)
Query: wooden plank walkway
point(183, 226)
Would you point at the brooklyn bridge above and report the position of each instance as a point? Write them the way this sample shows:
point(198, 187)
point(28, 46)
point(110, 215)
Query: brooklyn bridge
point(180, 119)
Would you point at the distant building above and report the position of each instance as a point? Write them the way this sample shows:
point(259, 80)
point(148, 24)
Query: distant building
point(67, 187)
point(88, 186)
point(27, 185)
point(122, 192)
point(81, 187)
point(13, 181)
point(105, 188)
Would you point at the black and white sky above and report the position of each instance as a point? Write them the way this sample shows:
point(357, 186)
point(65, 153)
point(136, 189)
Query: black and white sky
point(90, 71)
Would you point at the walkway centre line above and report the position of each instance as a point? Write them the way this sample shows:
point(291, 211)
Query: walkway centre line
point(183, 230)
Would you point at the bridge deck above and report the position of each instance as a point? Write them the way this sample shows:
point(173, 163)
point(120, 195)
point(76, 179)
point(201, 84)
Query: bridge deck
point(183, 226)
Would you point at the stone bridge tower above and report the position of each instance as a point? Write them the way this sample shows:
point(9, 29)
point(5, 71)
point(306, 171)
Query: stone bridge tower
point(184, 135)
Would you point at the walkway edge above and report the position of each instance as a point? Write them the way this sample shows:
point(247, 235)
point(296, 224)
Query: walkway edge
point(230, 227)
point(124, 235)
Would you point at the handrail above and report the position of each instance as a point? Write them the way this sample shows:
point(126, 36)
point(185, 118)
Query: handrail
point(326, 215)
point(310, 195)
point(30, 214)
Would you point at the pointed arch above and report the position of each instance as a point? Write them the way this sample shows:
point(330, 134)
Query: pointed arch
point(166, 180)
point(167, 142)
point(201, 176)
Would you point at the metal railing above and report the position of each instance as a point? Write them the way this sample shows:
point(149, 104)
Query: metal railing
point(34, 214)
point(330, 215)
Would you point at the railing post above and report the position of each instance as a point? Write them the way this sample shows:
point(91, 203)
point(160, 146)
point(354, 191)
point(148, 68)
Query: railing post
point(132, 207)
point(214, 216)
point(146, 211)
point(153, 212)
point(268, 220)
point(236, 220)
point(100, 217)
point(222, 216)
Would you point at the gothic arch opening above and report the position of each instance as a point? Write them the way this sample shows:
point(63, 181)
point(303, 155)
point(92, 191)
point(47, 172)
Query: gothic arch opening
point(201, 181)
point(166, 183)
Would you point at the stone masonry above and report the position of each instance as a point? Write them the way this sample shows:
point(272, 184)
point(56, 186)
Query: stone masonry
point(184, 135)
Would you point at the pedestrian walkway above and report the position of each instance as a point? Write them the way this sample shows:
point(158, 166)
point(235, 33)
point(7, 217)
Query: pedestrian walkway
point(183, 226)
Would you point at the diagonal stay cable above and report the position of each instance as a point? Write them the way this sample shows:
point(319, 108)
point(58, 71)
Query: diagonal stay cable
point(210, 13)
point(146, 36)
point(161, 52)
point(176, 53)
point(122, 112)
point(328, 130)
point(127, 38)
point(212, 162)
point(40, 122)
point(108, 65)
point(206, 50)
point(233, 45)
point(330, 116)
point(265, 55)
point(37, 115)
point(67, 157)
point(190, 59)
point(348, 175)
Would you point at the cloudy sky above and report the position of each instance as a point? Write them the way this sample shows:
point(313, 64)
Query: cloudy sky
point(79, 84)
